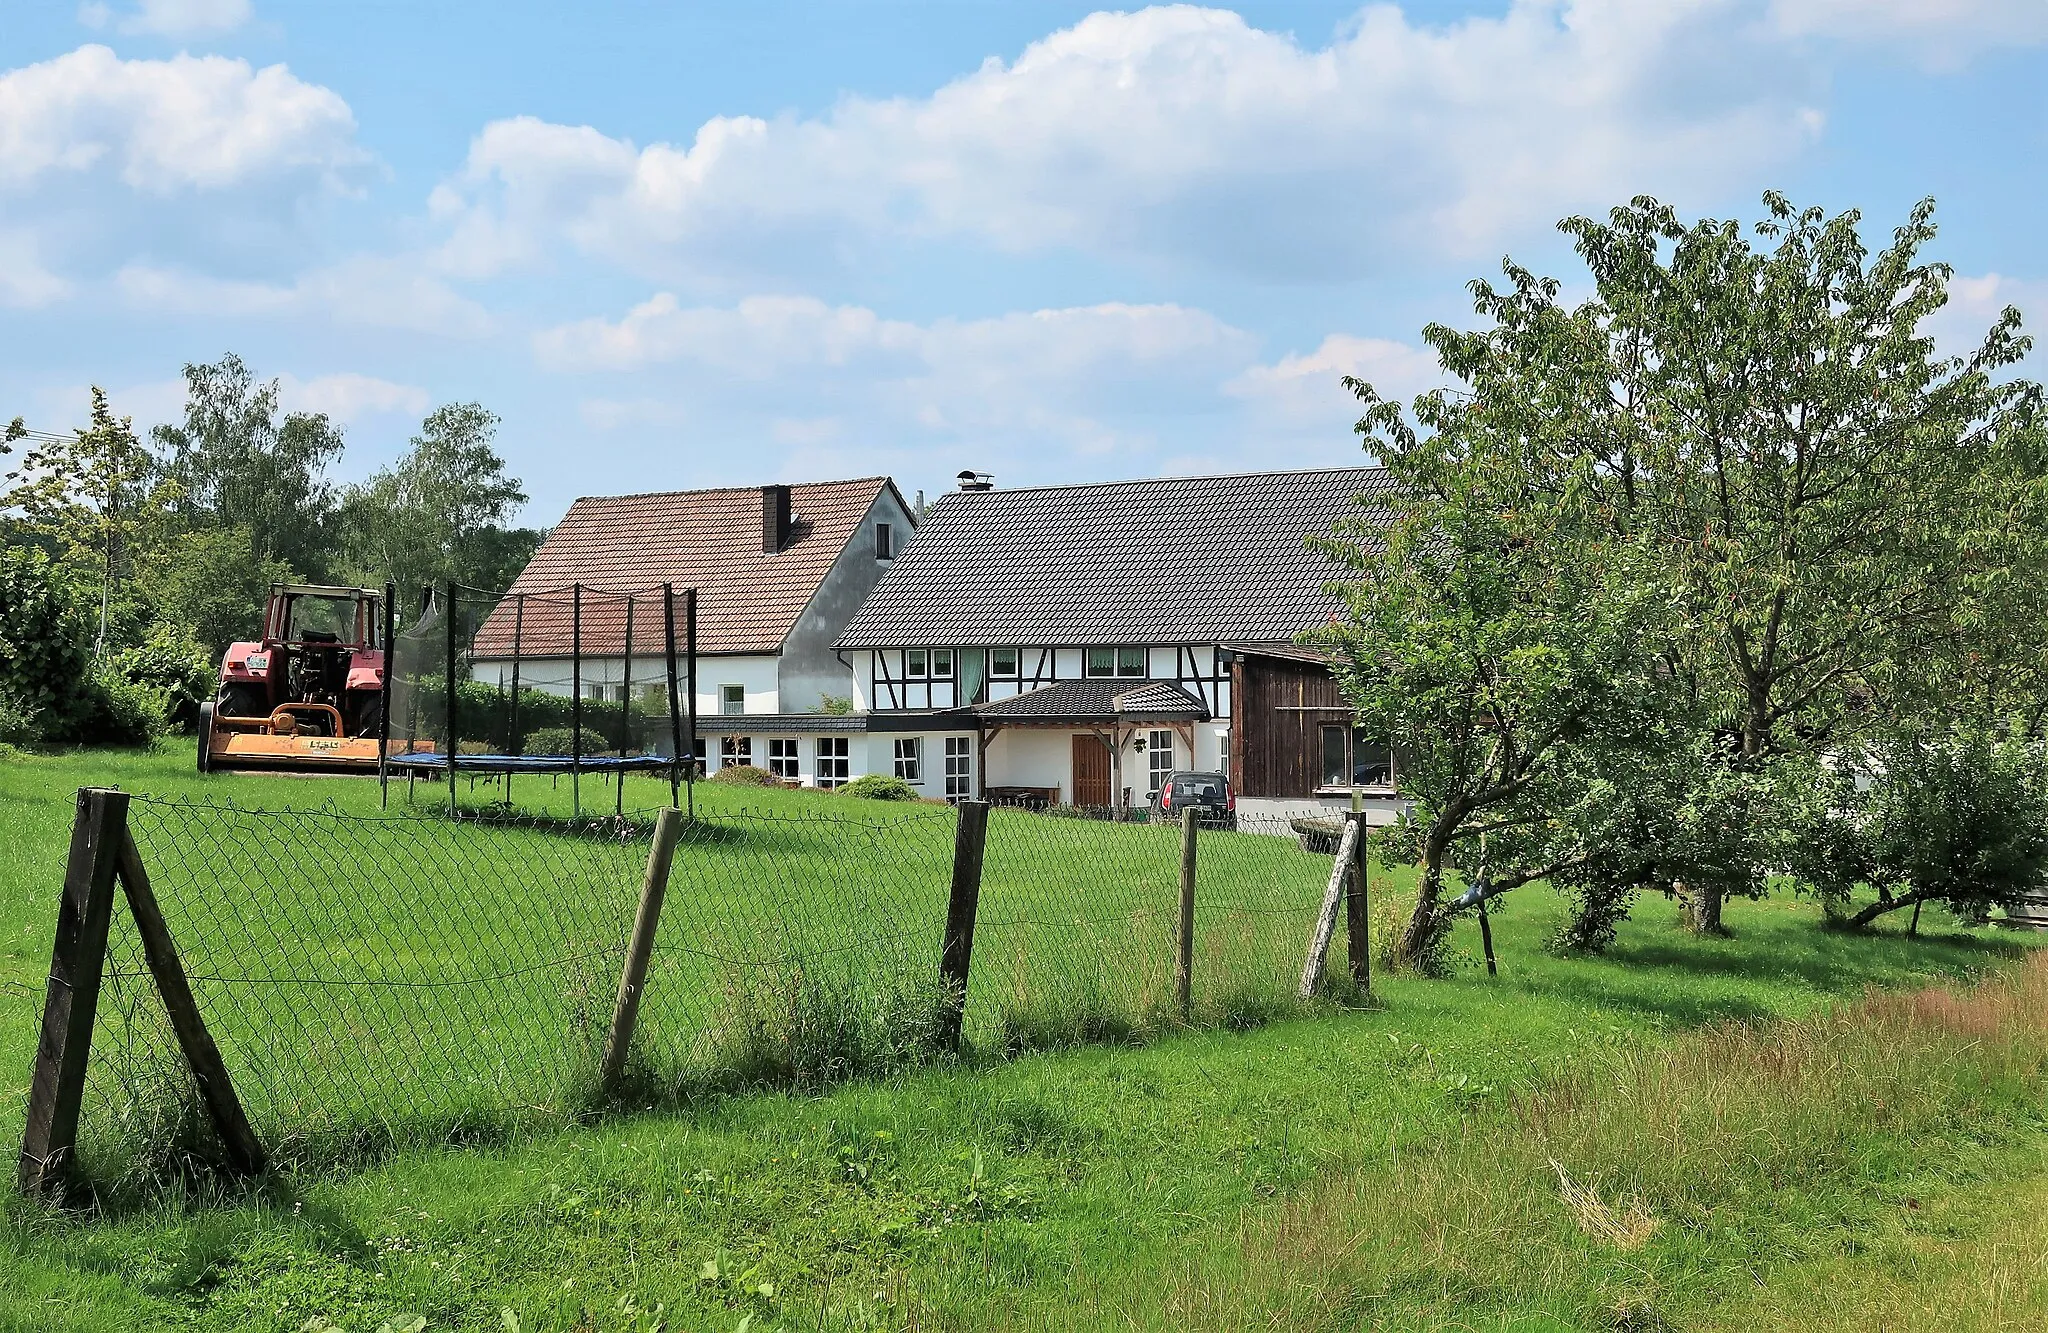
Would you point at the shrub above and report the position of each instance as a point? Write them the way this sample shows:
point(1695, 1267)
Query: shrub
point(746, 775)
point(1959, 818)
point(18, 721)
point(556, 740)
point(876, 787)
point(123, 711)
point(174, 668)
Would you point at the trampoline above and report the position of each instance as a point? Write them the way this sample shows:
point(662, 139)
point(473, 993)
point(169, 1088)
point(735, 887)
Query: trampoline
point(556, 682)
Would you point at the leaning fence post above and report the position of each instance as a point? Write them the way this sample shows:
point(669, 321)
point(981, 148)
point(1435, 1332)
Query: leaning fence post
point(1184, 936)
point(970, 839)
point(668, 826)
point(1357, 926)
point(209, 1071)
point(71, 1000)
point(1326, 919)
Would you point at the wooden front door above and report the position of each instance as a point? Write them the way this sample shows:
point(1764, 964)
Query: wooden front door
point(1091, 771)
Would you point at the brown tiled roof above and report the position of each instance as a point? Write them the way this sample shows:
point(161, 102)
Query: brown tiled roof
point(747, 599)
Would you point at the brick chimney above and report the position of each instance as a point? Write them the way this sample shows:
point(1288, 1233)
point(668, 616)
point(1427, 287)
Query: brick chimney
point(774, 518)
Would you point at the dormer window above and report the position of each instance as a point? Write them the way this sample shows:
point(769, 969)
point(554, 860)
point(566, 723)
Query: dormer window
point(885, 541)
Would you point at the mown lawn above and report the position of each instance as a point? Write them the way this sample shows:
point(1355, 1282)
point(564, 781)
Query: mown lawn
point(1385, 1167)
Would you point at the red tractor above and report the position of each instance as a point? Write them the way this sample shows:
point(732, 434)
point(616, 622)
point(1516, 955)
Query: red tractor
point(309, 696)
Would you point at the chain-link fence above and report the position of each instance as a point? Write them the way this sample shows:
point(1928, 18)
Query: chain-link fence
point(377, 979)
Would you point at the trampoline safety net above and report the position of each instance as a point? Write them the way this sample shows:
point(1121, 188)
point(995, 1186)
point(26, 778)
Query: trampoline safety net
point(561, 680)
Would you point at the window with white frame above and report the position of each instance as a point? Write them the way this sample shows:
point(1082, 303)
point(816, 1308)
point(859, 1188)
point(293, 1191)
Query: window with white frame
point(959, 766)
point(910, 758)
point(942, 664)
point(1114, 662)
point(1158, 760)
point(735, 750)
point(782, 758)
point(917, 664)
point(831, 768)
point(1002, 663)
point(732, 699)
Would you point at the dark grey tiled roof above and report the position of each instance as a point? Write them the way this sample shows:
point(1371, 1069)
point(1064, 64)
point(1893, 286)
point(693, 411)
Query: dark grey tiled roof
point(1096, 701)
point(1175, 560)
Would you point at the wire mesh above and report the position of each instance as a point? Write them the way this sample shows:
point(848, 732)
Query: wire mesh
point(567, 675)
point(386, 978)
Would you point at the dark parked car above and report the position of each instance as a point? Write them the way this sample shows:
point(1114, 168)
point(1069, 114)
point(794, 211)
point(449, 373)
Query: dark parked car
point(1209, 793)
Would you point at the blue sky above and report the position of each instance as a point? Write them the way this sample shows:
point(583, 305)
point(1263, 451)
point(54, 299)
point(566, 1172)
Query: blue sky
point(682, 245)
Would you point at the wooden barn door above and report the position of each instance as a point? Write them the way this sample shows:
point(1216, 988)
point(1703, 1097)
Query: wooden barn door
point(1091, 771)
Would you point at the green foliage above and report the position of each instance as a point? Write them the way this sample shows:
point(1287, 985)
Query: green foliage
point(209, 586)
point(745, 775)
point(1845, 526)
point(441, 511)
point(554, 741)
point(20, 725)
point(1505, 666)
point(837, 705)
point(239, 470)
point(175, 671)
point(879, 787)
point(1958, 817)
point(45, 667)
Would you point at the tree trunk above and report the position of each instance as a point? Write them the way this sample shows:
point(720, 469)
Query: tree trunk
point(1427, 918)
point(1703, 910)
point(1884, 905)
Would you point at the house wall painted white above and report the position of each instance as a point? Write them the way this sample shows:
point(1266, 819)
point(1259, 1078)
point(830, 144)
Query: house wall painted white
point(757, 675)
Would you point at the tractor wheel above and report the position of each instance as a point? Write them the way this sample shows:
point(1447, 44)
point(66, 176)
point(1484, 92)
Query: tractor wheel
point(242, 701)
point(206, 737)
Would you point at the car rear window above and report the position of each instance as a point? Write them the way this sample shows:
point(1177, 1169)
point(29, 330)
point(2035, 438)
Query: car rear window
point(1196, 787)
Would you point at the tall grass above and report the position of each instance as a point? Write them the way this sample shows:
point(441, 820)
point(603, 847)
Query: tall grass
point(1648, 1187)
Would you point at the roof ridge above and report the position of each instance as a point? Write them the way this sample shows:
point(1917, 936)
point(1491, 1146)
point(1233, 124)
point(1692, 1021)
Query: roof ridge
point(721, 490)
point(1151, 481)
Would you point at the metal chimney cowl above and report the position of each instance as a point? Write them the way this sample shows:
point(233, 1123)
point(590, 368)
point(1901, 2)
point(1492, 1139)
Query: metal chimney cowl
point(970, 480)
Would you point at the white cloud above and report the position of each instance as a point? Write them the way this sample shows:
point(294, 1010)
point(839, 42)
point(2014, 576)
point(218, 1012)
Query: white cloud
point(1975, 303)
point(380, 292)
point(349, 397)
point(163, 127)
point(762, 336)
point(1308, 386)
point(1181, 133)
point(1942, 30)
point(169, 18)
point(24, 282)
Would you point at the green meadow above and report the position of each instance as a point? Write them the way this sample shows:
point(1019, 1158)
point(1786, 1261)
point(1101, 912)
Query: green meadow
point(1792, 1127)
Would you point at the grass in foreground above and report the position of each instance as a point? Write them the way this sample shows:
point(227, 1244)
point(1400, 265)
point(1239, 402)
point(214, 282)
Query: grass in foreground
point(1373, 1169)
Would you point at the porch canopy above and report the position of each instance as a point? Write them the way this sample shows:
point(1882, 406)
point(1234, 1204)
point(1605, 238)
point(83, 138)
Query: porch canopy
point(1095, 703)
point(1109, 710)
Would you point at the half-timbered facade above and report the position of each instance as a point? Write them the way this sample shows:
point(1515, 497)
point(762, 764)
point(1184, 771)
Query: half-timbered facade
point(1075, 644)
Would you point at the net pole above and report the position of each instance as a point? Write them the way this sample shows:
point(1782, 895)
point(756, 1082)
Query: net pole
point(452, 738)
point(690, 635)
point(390, 646)
point(576, 697)
point(515, 742)
point(675, 708)
point(625, 712)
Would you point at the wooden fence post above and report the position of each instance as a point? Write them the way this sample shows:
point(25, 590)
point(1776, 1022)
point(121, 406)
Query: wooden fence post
point(1184, 936)
point(1357, 918)
point(956, 953)
point(71, 1000)
point(1326, 919)
point(216, 1089)
point(668, 827)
